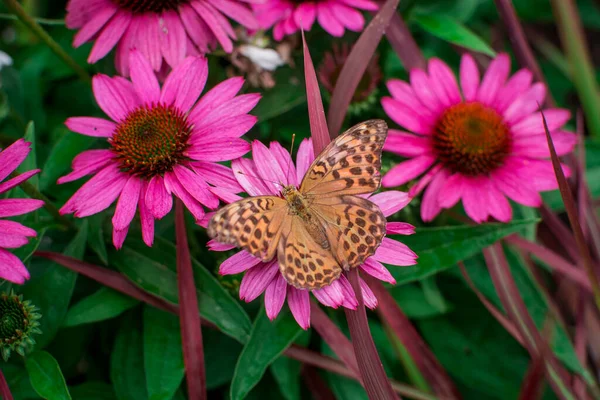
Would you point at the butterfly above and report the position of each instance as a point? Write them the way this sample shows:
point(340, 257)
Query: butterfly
point(322, 227)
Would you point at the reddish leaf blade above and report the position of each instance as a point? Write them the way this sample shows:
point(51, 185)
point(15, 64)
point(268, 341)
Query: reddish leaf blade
point(356, 64)
point(4, 389)
point(371, 369)
point(571, 209)
point(404, 44)
point(316, 385)
point(189, 314)
point(108, 278)
point(390, 312)
point(316, 113)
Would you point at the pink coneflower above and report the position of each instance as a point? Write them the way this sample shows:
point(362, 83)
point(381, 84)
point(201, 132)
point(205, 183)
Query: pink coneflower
point(161, 143)
point(287, 16)
point(256, 177)
point(482, 142)
point(13, 234)
point(169, 29)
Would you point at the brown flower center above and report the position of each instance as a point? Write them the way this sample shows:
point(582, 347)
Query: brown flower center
point(471, 139)
point(151, 140)
point(142, 6)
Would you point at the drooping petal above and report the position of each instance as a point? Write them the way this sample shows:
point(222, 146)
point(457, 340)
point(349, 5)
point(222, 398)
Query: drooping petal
point(127, 204)
point(430, 207)
point(143, 78)
point(299, 303)
point(110, 35)
point(13, 207)
point(377, 270)
point(469, 77)
point(275, 296)
point(11, 268)
point(172, 37)
point(239, 262)
point(196, 186)
point(368, 296)
point(391, 202)
point(115, 97)
point(407, 170)
point(12, 156)
point(158, 200)
point(91, 126)
point(395, 253)
point(256, 280)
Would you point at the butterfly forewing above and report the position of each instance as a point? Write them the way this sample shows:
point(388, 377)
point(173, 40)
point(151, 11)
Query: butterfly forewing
point(254, 224)
point(350, 164)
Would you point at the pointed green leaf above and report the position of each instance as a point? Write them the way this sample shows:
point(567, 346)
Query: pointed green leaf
point(46, 377)
point(103, 304)
point(30, 163)
point(268, 340)
point(163, 358)
point(127, 361)
point(441, 248)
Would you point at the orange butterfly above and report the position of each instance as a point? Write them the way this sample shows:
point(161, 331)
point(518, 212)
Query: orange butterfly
point(322, 227)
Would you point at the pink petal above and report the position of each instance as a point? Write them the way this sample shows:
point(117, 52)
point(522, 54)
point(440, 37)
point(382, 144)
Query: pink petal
point(158, 200)
point(349, 18)
point(331, 296)
point(221, 93)
point(282, 156)
point(474, 199)
point(86, 163)
point(239, 262)
point(146, 218)
point(305, 15)
point(275, 296)
point(469, 77)
point(424, 180)
point(377, 270)
point(399, 228)
point(451, 191)
point(119, 237)
point(498, 205)
point(11, 268)
point(237, 12)
point(525, 104)
point(143, 78)
point(223, 149)
point(350, 301)
point(268, 167)
point(196, 186)
point(91, 126)
point(246, 174)
point(327, 19)
point(185, 83)
point(128, 41)
point(115, 97)
point(406, 144)
point(13, 207)
point(440, 73)
point(515, 188)
point(256, 280)
point(127, 204)
point(237, 106)
point(304, 157)
point(233, 127)
point(196, 28)
point(299, 304)
point(217, 175)
point(213, 245)
point(208, 15)
point(390, 202)
point(14, 235)
point(407, 170)
point(148, 39)
point(98, 193)
point(515, 86)
point(12, 156)
point(362, 4)
point(110, 35)
point(430, 207)
point(405, 117)
point(93, 26)
point(17, 180)
point(368, 296)
point(423, 88)
point(494, 79)
point(395, 253)
point(172, 37)
point(536, 146)
point(555, 118)
point(173, 185)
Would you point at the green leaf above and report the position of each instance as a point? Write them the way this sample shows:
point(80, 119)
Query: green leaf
point(441, 248)
point(127, 361)
point(96, 237)
point(287, 374)
point(153, 269)
point(413, 302)
point(268, 340)
point(93, 391)
point(103, 304)
point(451, 30)
point(163, 357)
point(286, 95)
point(51, 287)
point(30, 163)
point(46, 377)
point(61, 156)
point(223, 352)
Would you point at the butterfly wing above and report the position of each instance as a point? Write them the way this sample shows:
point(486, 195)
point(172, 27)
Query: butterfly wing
point(304, 255)
point(350, 164)
point(254, 224)
point(354, 226)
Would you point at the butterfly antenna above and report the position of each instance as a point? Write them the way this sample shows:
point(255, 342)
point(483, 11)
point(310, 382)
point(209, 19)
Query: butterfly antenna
point(259, 178)
point(290, 161)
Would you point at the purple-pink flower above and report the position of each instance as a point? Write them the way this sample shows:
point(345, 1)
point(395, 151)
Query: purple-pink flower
point(260, 176)
point(482, 143)
point(163, 142)
point(160, 29)
point(288, 16)
point(13, 234)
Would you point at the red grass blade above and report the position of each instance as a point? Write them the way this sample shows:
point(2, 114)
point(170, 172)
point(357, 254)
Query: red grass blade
point(390, 312)
point(501, 318)
point(316, 114)
point(356, 64)
point(571, 209)
point(316, 385)
point(516, 310)
point(189, 314)
point(555, 261)
point(108, 278)
point(4, 389)
point(404, 44)
point(371, 369)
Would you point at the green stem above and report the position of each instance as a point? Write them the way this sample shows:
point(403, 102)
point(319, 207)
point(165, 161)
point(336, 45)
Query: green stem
point(582, 70)
point(35, 27)
point(42, 21)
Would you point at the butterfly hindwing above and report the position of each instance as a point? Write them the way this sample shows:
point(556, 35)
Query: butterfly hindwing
point(350, 164)
point(254, 224)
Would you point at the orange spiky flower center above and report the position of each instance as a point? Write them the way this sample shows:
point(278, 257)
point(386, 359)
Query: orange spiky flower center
point(471, 139)
point(151, 140)
point(142, 6)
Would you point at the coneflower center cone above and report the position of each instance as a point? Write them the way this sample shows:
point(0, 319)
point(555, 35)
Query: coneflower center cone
point(151, 140)
point(13, 319)
point(142, 6)
point(471, 139)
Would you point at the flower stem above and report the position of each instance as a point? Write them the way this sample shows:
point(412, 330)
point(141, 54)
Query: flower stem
point(42, 21)
point(35, 27)
point(575, 45)
point(189, 315)
point(371, 369)
point(4, 389)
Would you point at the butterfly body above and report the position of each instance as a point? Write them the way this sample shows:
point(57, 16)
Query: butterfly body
point(322, 227)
